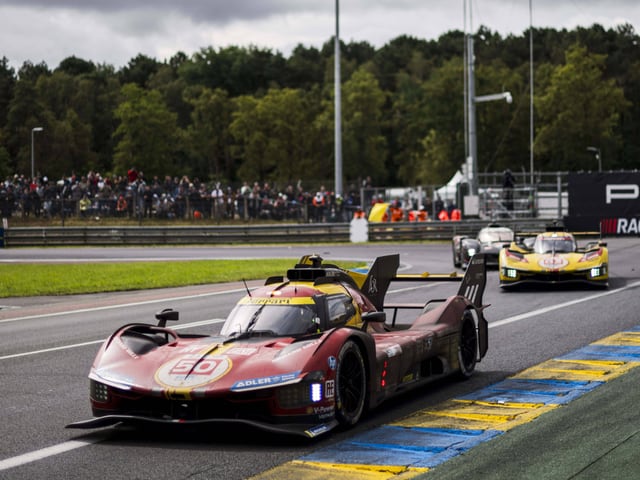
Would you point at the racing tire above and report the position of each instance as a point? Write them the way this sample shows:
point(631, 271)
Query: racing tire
point(351, 384)
point(467, 345)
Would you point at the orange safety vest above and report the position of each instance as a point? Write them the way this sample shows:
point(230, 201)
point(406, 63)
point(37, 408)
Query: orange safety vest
point(443, 215)
point(456, 214)
point(396, 214)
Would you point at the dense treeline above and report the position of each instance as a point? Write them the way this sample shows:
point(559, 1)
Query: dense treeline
point(234, 114)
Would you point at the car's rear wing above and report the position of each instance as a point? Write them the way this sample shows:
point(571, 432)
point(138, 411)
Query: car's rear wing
point(472, 287)
point(383, 272)
point(375, 280)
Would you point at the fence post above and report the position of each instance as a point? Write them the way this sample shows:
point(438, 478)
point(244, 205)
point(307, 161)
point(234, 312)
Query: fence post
point(559, 189)
point(2, 229)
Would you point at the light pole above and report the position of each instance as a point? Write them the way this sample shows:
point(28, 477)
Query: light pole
point(596, 150)
point(33, 131)
point(473, 100)
point(470, 103)
point(338, 108)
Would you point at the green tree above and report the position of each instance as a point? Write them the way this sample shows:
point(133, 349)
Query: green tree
point(7, 84)
point(76, 66)
point(440, 150)
point(25, 112)
point(580, 108)
point(147, 136)
point(139, 70)
point(502, 128)
point(95, 101)
point(208, 135)
point(275, 137)
point(305, 68)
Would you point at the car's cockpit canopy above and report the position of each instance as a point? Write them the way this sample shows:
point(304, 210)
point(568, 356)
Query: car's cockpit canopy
point(289, 316)
point(554, 244)
point(495, 235)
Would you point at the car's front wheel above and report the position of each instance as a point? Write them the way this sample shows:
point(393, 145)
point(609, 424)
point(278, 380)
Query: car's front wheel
point(467, 345)
point(351, 384)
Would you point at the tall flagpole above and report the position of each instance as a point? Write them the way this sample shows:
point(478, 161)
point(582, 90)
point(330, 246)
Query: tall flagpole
point(337, 108)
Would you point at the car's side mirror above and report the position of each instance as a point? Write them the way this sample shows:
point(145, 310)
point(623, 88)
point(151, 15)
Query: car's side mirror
point(374, 317)
point(168, 314)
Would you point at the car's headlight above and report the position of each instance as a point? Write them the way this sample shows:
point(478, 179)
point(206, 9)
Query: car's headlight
point(98, 391)
point(472, 252)
point(598, 271)
point(310, 390)
point(509, 272)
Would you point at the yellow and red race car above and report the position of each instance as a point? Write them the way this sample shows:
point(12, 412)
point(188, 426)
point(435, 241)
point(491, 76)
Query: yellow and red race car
point(554, 257)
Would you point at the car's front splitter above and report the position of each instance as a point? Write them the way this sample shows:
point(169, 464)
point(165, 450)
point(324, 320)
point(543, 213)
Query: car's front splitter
point(301, 429)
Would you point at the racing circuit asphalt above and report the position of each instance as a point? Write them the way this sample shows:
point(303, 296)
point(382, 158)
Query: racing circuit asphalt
point(47, 344)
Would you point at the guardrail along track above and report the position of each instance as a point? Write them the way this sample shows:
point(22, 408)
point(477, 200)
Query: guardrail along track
point(253, 234)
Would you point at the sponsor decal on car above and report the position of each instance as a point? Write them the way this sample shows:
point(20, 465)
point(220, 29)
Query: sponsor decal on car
point(330, 388)
point(265, 382)
point(553, 262)
point(276, 301)
point(190, 371)
point(332, 362)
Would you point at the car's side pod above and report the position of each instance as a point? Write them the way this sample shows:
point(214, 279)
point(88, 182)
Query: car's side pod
point(475, 280)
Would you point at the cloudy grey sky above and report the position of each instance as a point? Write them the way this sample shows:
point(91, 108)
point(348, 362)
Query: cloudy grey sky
point(115, 31)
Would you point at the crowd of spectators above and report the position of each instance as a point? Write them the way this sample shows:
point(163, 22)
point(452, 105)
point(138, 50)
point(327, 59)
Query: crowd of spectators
point(137, 197)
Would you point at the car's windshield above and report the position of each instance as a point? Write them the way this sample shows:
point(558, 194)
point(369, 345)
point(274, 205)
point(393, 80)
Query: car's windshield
point(278, 320)
point(490, 236)
point(554, 245)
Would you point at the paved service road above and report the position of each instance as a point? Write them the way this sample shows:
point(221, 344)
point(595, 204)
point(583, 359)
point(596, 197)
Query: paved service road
point(47, 345)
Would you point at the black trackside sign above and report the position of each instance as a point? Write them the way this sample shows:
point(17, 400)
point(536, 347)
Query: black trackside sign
point(609, 202)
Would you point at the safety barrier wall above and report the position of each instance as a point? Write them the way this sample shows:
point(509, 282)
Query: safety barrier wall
point(248, 234)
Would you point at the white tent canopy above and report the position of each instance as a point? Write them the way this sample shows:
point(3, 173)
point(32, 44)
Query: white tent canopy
point(449, 191)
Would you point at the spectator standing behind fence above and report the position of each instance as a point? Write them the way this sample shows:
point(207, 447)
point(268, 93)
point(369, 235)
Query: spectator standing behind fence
point(318, 205)
point(121, 206)
point(217, 202)
point(84, 206)
point(508, 182)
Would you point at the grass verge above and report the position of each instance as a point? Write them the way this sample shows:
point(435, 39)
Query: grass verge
point(26, 280)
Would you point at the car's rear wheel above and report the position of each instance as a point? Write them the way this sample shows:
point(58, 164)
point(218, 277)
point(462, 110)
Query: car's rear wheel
point(467, 345)
point(351, 384)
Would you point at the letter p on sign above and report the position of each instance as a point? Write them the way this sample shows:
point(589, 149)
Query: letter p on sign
point(622, 192)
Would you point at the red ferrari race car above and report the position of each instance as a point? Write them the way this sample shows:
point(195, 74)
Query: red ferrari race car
point(299, 355)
